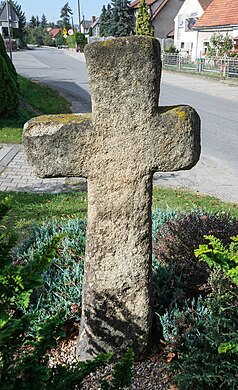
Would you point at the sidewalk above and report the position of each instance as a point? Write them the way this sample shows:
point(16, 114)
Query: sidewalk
point(16, 175)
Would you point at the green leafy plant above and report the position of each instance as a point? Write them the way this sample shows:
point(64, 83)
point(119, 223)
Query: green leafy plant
point(17, 283)
point(122, 373)
point(171, 49)
point(220, 44)
point(220, 256)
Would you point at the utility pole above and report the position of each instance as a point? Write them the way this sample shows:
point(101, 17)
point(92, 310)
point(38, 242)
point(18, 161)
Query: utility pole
point(9, 30)
point(79, 15)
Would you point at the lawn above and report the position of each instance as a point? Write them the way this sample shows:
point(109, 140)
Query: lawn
point(31, 209)
point(35, 99)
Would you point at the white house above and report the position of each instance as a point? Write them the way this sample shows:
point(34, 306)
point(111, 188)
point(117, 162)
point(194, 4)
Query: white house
point(95, 26)
point(220, 17)
point(184, 35)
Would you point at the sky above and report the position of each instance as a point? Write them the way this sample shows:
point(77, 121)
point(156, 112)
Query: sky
point(51, 8)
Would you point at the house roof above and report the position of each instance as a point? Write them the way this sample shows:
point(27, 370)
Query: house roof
point(96, 21)
point(54, 32)
point(159, 8)
point(3, 13)
point(170, 34)
point(135, 3)
point(219, 13)
point(205, 3)
point(86, 24)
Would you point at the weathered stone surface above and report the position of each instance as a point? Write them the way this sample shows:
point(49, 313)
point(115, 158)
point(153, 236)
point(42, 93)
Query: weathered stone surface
point(128, 139)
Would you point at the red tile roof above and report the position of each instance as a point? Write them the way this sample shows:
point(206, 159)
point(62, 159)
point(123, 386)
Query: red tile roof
point(54, 32)
point(219, 13)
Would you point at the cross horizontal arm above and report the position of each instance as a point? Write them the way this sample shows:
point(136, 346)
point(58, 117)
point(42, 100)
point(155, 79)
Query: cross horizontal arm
point(59, 145)
point(174, 139)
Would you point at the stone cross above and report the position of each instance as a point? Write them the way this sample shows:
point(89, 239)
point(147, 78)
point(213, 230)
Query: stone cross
point(127, 140)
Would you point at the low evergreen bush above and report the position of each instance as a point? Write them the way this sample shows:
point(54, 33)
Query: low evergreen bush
point(61, 287)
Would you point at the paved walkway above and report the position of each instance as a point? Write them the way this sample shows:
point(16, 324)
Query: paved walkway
point(16, 174)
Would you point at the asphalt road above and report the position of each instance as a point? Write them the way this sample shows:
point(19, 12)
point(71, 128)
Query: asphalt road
point(59, 70)
point(217, 171)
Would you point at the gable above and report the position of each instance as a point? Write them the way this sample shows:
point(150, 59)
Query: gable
point(13, 16)
point(205, 3)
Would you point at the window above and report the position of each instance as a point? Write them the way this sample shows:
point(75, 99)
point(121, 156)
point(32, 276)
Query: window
point(182, 45)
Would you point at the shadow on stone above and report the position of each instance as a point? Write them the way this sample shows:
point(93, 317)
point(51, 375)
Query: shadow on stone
point(112, 327)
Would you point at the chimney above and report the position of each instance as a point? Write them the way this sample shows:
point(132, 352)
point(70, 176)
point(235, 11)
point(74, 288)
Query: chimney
point(93, 19)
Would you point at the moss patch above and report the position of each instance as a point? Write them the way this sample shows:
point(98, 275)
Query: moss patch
point(61, 119)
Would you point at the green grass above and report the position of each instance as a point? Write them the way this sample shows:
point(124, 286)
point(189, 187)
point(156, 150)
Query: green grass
point(28, 210)
point(185, 200)
point(43, 98)
point(11, 128)
point(36, 97)
point(32, 209)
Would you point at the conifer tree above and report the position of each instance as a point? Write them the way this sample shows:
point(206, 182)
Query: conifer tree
point(103, 22)
point(122, 22)
point(9, 96)
point(8, 61)
point(43, 21)
point(143, 20)
point(9, 99)
point(65, 13)
point(108, 20)
point(37, 21)
point(32, 23)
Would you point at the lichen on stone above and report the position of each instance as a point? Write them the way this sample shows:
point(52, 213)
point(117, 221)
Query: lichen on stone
point(61, 119)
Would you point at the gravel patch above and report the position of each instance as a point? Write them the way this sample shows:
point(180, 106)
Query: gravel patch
point(151, 374)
